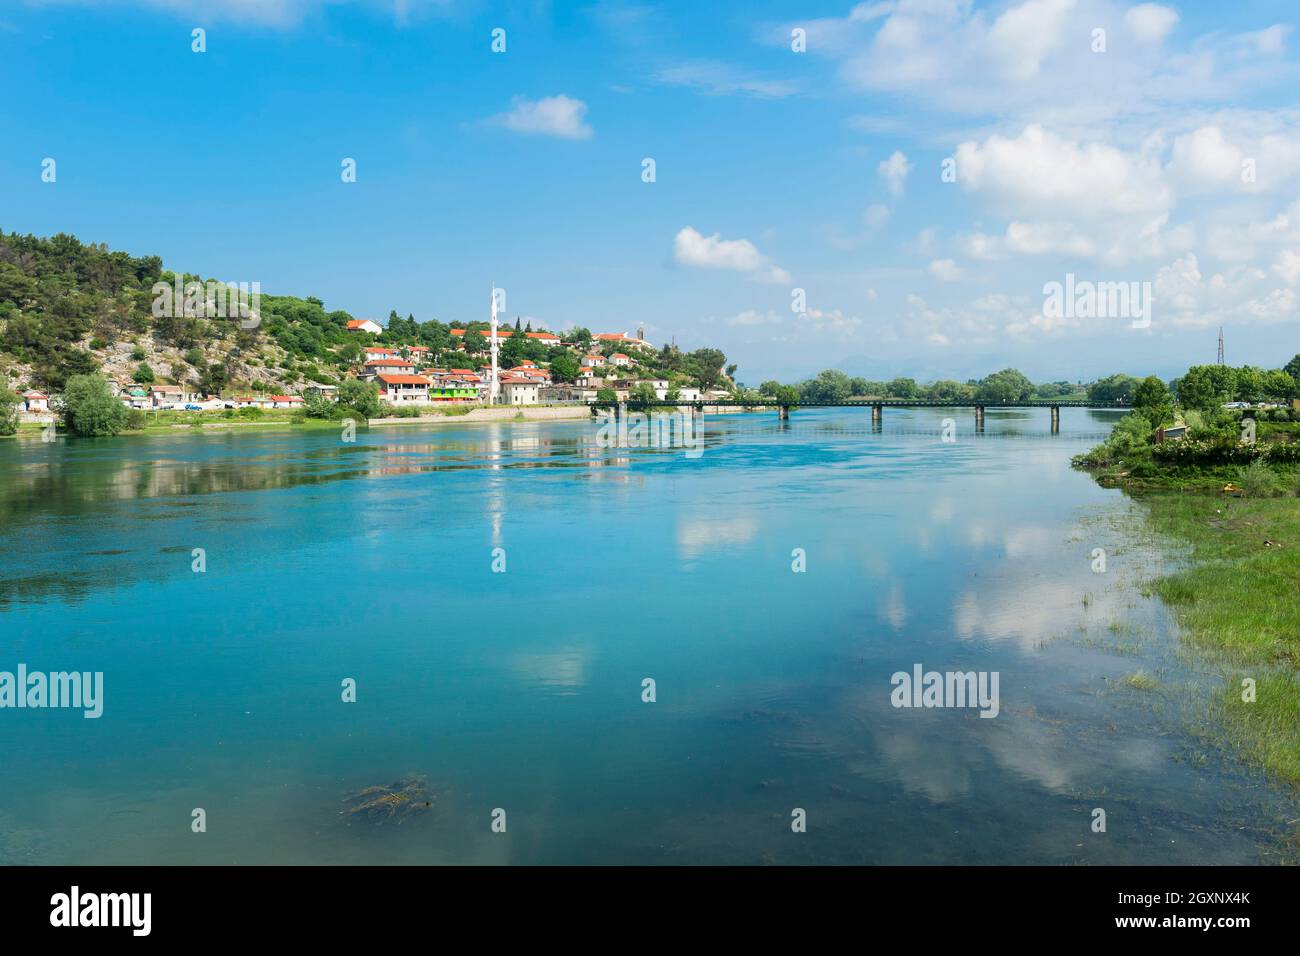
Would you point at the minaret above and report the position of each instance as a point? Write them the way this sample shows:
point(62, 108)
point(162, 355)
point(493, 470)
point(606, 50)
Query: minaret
point(1220, 345)
point(493, 386)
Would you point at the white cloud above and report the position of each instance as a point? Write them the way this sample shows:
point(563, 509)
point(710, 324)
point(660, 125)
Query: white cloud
point(559, 116)
point(1023, 36)
point(710, 76)
point(1039, 173)
point(875, 215)
point(894, 172)
point(690, 248)
point(1150, 22)
point(945, 270)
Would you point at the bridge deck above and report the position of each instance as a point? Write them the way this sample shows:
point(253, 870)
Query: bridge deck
point(882, 403)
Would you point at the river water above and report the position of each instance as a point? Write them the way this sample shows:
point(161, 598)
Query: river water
point(523, 690)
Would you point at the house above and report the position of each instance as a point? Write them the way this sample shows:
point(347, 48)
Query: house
point(133, 395)
point(36, 402)
point(381, 352)
point(389, 366)
point(419, 354)
point(164, 396)
point(546, 338)
point(286, 401)
point(593, 360)
point(403, 389)
point(619, 359)
point(365, 325)
point(324, 391)
point(250, 401)
point(518, 391)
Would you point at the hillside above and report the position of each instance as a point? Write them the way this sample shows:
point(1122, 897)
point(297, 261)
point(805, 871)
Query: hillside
point(69, 308)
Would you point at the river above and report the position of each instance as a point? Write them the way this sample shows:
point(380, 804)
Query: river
point(501, 595)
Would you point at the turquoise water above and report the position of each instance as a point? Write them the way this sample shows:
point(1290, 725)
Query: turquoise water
point(523, 690)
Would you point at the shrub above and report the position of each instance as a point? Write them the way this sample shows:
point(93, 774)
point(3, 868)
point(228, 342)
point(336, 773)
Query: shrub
point(1258, 480)
point(8, 412)
point(90, 408)
point(137, 354)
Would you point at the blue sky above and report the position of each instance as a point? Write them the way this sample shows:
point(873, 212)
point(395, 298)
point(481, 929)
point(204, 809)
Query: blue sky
point(775, 170)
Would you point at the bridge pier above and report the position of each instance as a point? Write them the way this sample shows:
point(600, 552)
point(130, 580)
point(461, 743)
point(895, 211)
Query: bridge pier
point(697, 413)
point(1056, 419)
point(979, 418)
point(877, 414)
point(783, 412)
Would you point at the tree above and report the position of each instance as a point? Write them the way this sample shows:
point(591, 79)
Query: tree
point(8, 412)
point(948, 390)
point(1007, 385)
point(90, 408)
point(214, 378)
point(474, 341)
point(786, 395)
point(830, 385)
point(362, 396)
point(607, 396)
point(704, 367)
point(1207, 387)
point(1292, 368)
point(1113, 388)
point(903, 388)
point(143, 375)
point(643, 392)
point(565, 367)
point(1151, 398)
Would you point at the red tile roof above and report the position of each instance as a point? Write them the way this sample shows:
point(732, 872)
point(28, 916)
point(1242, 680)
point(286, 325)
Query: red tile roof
point(404, 380)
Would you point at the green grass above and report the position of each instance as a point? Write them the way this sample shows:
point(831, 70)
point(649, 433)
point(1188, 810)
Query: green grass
point(1239, 597)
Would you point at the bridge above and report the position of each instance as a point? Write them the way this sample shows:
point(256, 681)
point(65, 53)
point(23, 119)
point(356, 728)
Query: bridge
point(877, 406)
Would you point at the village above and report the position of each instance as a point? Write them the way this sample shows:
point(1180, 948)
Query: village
point(610, 368)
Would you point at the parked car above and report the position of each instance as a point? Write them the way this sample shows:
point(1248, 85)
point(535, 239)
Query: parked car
point(1237, 405)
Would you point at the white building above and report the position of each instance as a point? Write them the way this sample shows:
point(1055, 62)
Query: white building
point(365, 325)
point(516, 391)
point(404, 389)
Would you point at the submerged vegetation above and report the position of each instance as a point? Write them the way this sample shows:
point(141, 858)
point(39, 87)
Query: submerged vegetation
point(395, 802)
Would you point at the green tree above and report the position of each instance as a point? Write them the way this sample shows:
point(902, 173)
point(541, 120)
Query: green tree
point(90, 408)
point(1151, 398)
point(643, 392)
point(607, 396)
point(565, 367)
point(8, 412)
point(362, 396)
point(143, 375)
point(1007, 385)
point(1113, 388)
point(830, 385)
point(903, 388)
point(1207, 387)
point(1292, 368)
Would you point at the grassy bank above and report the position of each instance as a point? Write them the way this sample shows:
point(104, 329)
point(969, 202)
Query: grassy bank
point(1239, 600)
point(1233, 503)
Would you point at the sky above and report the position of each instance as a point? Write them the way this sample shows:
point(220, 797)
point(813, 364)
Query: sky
point(888, 188)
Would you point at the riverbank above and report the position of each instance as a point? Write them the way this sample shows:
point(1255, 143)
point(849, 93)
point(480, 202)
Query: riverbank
point(1236, 601)
point(1231, 503)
